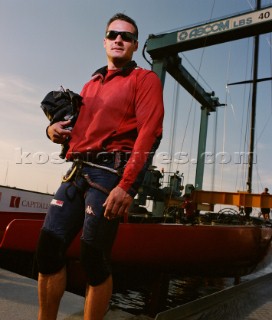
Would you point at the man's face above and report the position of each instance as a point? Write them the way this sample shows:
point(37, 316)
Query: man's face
point(118, 50)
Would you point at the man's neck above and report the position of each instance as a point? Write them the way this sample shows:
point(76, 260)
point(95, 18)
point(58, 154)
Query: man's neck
point(117, 64)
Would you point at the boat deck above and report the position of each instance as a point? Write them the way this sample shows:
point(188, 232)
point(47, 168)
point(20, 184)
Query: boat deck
point(251, 300)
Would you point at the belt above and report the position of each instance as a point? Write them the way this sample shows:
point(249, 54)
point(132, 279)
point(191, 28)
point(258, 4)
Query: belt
point(118, 171)
point(100, 158)
point(77, 165)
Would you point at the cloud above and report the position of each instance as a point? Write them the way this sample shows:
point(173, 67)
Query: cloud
point(22, 131)
point(19, 97)
point(21, 119)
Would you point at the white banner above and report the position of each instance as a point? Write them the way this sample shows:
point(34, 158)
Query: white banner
point(18, 200)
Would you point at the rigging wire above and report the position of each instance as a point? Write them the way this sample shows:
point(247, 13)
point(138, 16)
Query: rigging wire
point(184, 137)
point(214, 150)
point(173, 123)
point(199, 75)
point(197, 78)
point(194, 108)
point(223, 145)
point(268, 119)
point(240, 176)
point(246, 135)
point(224, 126)
point(270, 51)
point(203, 50)
point(257, 140)
point(251, 5)
point(243, 172)
point(246, 125)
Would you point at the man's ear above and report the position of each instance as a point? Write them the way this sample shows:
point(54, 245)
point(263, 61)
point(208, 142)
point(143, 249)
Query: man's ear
point(136, 45)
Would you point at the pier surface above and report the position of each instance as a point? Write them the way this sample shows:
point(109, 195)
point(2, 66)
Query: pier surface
point(251, 300)
point(19, 301)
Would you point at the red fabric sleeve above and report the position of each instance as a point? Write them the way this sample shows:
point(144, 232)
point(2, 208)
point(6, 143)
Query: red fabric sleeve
point(149, 113)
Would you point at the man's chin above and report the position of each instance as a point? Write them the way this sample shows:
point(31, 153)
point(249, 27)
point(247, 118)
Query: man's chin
point(119, 61)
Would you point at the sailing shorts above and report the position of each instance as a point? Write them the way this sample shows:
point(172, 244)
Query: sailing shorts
point(76, 205)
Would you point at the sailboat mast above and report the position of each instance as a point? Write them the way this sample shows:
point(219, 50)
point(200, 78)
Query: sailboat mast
point(253, 108)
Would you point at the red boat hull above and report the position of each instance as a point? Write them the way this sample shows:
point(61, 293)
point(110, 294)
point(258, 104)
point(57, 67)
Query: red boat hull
point(225, 250)
point(221, 250)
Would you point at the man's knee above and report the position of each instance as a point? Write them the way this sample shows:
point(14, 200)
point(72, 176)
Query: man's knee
point(95, 264)
point(50, 253)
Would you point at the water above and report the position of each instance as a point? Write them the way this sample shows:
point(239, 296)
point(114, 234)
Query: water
point(133, 290)
point(134, 294)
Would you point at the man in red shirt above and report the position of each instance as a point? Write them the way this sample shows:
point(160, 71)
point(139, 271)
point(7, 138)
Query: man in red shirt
point(118, 129)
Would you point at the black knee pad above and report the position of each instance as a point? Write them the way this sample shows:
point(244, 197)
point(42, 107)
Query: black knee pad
point(50, 253)
point(95, 264)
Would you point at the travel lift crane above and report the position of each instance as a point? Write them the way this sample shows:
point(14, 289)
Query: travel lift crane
point(164, 49)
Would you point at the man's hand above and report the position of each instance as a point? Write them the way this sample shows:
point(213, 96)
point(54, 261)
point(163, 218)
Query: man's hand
point(117, 203)
point(57, 133)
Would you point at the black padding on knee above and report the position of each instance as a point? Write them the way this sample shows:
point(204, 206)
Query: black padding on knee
point(50, 253)
point(95, 264)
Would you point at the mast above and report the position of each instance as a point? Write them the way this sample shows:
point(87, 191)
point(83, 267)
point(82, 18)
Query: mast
point(253, 107)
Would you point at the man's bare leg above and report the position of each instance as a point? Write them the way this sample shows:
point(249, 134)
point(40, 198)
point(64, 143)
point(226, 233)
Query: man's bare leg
point(97, 300)
point(50, 291)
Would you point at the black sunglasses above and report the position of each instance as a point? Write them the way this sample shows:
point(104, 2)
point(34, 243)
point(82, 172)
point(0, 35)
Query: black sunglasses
point(125, 35)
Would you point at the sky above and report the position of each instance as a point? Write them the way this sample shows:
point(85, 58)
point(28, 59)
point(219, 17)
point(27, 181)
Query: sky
point(49, 43)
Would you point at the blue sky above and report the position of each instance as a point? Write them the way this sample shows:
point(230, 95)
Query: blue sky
point(48, 43)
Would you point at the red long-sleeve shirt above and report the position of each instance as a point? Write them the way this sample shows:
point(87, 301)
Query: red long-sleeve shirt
point(121, 111)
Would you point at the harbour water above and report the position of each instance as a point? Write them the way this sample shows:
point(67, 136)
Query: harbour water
point(133, 291)
point(136, 297)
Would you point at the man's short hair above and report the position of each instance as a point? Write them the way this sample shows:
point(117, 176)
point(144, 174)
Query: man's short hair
point(121, 16)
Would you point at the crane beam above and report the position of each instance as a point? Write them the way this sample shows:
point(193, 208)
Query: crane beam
point(219, 31)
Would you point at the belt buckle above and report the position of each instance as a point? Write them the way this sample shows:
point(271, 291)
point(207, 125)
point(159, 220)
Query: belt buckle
point(104, 158)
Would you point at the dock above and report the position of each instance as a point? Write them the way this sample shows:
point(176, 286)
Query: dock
point(251, 300)
point(19, 301)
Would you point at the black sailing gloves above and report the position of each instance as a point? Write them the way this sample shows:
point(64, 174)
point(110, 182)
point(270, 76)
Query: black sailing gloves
point(61, 106)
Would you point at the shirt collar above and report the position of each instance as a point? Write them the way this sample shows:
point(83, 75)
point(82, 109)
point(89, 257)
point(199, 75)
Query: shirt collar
point(126, 68)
